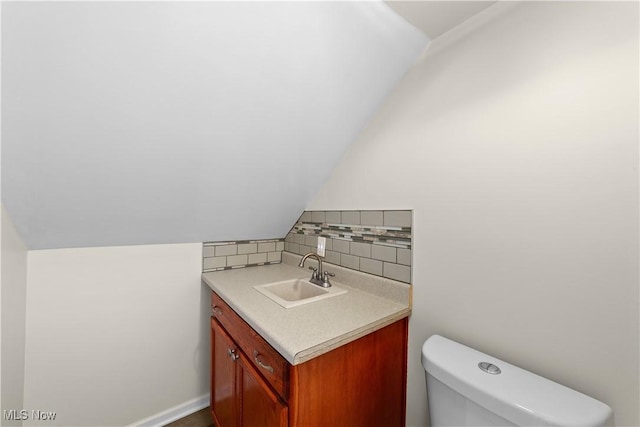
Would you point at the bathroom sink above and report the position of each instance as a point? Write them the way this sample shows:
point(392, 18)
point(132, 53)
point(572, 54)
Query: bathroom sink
point(295, 292)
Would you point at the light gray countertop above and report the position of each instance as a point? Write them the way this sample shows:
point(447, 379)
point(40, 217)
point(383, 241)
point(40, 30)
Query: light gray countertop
point(304, 332)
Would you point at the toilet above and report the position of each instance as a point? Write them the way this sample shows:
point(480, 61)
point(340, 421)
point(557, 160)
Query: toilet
point(468, 388)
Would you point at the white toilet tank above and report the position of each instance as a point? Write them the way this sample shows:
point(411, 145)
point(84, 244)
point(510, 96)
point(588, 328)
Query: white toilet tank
point(468, 388)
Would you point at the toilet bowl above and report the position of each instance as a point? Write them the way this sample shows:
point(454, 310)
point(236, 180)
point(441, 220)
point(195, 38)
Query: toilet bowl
point(468, 388)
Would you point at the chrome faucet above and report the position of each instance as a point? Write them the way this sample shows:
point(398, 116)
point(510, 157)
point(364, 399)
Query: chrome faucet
point(318, 277)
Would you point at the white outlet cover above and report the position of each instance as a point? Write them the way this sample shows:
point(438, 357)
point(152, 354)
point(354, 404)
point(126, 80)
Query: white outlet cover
point(322, 241)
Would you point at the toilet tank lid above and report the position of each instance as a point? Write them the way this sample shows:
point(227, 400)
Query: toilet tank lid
point(519, 396)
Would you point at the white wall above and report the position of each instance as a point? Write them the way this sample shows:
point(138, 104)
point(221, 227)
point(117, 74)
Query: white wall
point(128, 123)
point(515, 141)
point(14, 293)
point(115, 335)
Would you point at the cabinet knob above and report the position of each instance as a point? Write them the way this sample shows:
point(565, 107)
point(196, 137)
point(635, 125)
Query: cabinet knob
point(216, 311)
point(232, 354)
point(256, 357)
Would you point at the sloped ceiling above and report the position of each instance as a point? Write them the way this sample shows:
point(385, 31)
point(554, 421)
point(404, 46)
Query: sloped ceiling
point(435, 17)
point(161, 122)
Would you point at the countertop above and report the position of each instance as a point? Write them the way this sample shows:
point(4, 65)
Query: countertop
point(307, 331)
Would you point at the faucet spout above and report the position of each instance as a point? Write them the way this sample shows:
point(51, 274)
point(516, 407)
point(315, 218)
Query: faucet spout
point(317, 257)
point(318, 276)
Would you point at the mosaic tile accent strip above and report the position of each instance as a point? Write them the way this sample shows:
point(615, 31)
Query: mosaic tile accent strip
point(374, 242)
point(218, 256)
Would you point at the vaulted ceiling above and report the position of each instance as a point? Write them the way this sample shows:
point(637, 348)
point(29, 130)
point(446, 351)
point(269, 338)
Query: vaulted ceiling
point(434, 17)
point(162, 122)
point(158, 122)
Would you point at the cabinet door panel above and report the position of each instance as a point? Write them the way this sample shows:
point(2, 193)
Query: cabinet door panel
point(360, 384)
point(223, 378)
point(261, 406)
point(275, 367)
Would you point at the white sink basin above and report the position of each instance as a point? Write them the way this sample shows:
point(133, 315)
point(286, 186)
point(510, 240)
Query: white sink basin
point(295, 292)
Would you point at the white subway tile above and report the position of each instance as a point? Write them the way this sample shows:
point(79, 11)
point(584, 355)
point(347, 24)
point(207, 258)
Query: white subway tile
point(383, 253)
point(267, 247)
point(333, 217)
point(274, 256)
point(371, 218)
point(216, 262)
point(371, 266)
point(294, 248)
point(350, 261)
point(341, 246)
point(257, 258)
point(236, 260)
point(351, 217)
point(360, 249)
point(224, 250)
point(247, 248)
point(397, 218)
point(404, 256)
point(311, 241)
point(317, 216)
point(332, 257)
point(397, 272)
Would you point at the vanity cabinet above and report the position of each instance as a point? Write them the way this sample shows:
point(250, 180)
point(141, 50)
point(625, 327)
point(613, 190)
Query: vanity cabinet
point(239, 394)
point(224, 398)
point(362, 383)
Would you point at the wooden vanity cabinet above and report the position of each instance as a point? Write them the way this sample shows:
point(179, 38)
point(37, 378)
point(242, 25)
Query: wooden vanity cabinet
point(224, 396)
point(260, 405)
point(362, 383)
point(239, 394)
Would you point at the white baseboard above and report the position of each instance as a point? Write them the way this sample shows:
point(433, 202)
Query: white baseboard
point(175, 413)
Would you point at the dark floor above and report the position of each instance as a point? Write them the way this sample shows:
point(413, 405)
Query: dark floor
point(201, 418)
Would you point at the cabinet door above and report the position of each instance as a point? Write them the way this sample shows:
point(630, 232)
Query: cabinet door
point(224, 390)
point(261, 406)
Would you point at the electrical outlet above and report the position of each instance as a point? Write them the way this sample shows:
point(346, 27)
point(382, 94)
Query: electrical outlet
point(322, 241)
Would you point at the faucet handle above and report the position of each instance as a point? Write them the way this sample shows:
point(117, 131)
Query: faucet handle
point(315, 274)
point(325, 279)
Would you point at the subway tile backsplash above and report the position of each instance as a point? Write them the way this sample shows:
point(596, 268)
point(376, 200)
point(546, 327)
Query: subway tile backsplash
point(218, 256)
point(374, 242)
